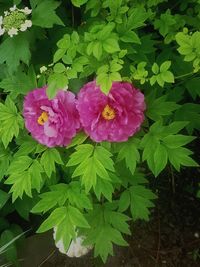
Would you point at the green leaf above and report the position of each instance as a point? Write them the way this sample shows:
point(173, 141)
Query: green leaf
point(124, 201)
point(97, 49)
point(106, 228)
point(21, 183)
point(160, 159)
point(181, 156)
point(77, 217)
point(175, 141)
point(167, 76)
point(137, 18)
point(165, 66)
point(189, 112)
point(24, 175)
point(11, 121)
point(118, 220)
point(61, 193)
point(160, 107)
point(13, 50)
point(59, 54)
point(82, 153)
point(3, 198)
point(19, 83)
point(105, 188)
point(56, 81)
point(44, 14)
point(165, 23)
point(91, 164)
point(35, 171)
point(159, 147)
point(78, 139)
point(10, 253)
point(24, 206)
point(128, 151)
point(155, 68)
point(55, 218)
point(48, 160)
point(111, 45)
point(105, 82)
point(59, 68)
point(5, 158)
point(141, 201)
point(79, 3)
point(130, 37)
point(65, 220)
point(19, 164)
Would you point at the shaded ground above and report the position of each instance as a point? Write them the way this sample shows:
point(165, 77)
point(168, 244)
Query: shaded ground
point(170, 239)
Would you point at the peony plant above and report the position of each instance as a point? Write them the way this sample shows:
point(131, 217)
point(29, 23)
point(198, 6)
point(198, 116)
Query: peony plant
point(98, 98)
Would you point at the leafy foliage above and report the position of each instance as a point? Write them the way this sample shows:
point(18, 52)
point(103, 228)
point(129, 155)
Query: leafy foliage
point(44, 14)
point(162, 143)
point(14, 50)
point(11, 121)
point(106, 228)
point(94, 163)
point(87, 188)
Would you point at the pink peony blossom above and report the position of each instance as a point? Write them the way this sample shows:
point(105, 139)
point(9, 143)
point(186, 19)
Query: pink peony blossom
point(113, 117)
point(51, 122)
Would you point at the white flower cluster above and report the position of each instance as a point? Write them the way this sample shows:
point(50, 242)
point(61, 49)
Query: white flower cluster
point(76, 249)
point(15, 20)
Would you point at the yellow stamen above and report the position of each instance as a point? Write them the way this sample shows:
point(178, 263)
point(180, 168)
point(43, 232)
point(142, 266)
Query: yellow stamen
point(108, 113)
point(43, 118)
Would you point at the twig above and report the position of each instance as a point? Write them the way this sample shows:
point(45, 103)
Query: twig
point(184, 75)
point(50, 255)
point(73, 20)
point(159, 243)
point(172, 179)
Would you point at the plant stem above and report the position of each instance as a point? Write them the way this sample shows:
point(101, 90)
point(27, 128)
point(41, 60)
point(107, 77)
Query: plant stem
point(184, 75)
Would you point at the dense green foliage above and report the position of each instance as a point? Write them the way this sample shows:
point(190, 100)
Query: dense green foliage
point(97, 188)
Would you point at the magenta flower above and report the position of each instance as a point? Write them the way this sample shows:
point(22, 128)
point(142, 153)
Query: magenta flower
point(51, 122)
point(113, 117)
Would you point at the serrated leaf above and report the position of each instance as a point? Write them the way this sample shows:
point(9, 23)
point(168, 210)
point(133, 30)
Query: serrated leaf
point(4, 196)
point(104, 231)
point(78, 139)
point(160, 107)
point(91, 164)
point(181, 156)
point(13, 50)
point(21, 183)
point(11, 121)
point(55, 218)
point(141, 201)
point(129, 152)
point(124, 201)
point(48, 160)
point(35, 171)
point(160, 159)
point(44, 14)
point(104, 188)
point(77, 217)
point(19, 164)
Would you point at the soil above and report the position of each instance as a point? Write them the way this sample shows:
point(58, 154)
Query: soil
point(170, 239)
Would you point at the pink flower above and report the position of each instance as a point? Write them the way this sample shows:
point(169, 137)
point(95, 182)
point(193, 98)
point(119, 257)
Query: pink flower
point(51, 122)
point(113, 117)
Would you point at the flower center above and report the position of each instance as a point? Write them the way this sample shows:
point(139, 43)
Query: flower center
point(43, 118)
point(108, 113)
point(14, 20)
